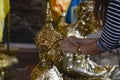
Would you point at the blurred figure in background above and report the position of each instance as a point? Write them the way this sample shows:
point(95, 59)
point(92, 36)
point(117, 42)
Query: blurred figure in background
point(58, 6)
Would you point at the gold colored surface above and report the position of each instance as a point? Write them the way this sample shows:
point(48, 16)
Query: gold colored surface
point(7, 61)
point(47, 42)
point(80, 65)
point(40, 73)
point(49, 53)
point(87, 21)
point(60, 25)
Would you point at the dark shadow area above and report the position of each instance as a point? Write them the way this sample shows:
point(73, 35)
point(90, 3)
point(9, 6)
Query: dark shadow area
point(26, 18)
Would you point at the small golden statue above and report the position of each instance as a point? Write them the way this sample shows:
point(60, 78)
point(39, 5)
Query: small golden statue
point(53, 59)
point(81, 65)
point(47, 43)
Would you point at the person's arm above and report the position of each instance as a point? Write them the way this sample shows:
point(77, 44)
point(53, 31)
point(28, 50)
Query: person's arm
point(109, 39)
point(81, 41)
point(90, 48)
point(87, 45)
point(110, 36)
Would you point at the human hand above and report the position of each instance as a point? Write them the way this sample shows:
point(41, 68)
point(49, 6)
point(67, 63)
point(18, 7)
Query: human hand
point(68, 44)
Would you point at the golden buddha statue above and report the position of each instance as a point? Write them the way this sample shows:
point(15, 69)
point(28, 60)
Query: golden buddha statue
point(47, 43)
point(81, 65)
point(53, 60)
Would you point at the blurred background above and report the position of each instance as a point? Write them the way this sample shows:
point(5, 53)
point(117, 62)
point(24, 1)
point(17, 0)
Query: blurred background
point(25, 19)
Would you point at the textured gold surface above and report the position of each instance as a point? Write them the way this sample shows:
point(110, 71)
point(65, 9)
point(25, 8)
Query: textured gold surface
point(87, 21)
point(80, 65)
point(49, 53)
point(7, 61)
point(47, 42)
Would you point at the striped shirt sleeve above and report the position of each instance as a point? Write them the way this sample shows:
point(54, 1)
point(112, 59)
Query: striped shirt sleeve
point(110, 36)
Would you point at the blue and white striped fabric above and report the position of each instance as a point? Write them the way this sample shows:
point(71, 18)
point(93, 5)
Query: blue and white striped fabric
point(110, 36)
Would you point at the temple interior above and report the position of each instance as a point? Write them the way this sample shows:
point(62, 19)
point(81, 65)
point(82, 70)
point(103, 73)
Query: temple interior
point(31, 32)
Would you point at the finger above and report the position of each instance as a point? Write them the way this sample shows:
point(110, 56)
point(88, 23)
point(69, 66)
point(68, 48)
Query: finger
point(74, 42)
